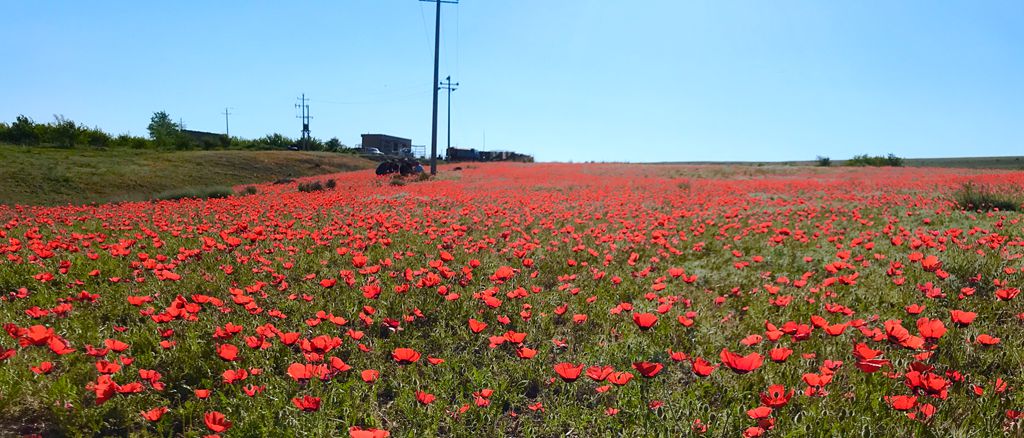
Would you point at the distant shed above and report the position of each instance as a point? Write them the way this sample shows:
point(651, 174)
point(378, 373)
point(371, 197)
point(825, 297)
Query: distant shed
point(388, 144)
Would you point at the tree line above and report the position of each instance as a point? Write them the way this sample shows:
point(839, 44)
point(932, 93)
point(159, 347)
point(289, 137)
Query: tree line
point(164, 134)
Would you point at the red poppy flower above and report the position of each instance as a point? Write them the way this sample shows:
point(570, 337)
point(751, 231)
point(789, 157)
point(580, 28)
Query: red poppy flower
point(780, 354)
point(961, 317)
point(154, 414)
point(620, 378)
point(425, 398)
point(914, 309)
point(526, 353)
point(776, 396)
point(648, 369)
point(599, 373)
point(115, 345)
point(759, 412)
point(645, 320)
point(216, 422)
point(369, 376)
point(741, 364)
point(43, 368)
point(901, 402)
point(568, 372)
point(107, 367)
point(702, 367)
point(59, 346)
point(1007, 294)
point(515, 337)
point(986, 339)
point(931, 329)
point(307, 403)
point(358, 432)
point(753, 432)
point(299, 371)
point(817, 380)
point(202, 394)
point(476, 326)
point(252, 390)
point(227, 352)
point(405, 356)
point(504, 273)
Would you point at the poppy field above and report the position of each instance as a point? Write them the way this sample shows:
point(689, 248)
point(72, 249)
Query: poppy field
point(523, 300)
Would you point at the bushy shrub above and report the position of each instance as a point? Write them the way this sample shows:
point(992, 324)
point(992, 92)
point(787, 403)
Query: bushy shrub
point(314, 186)
point(331, 184)
point(128, 141)
point(973, 197)
point(249, 190)
point(195, 193)
point(875, 161)
point(824, 161)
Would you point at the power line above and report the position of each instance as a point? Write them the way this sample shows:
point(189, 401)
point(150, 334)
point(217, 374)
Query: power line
point(384, 99)
point(437, 51)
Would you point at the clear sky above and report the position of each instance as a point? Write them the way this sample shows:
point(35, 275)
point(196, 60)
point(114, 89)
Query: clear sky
point(578, 80)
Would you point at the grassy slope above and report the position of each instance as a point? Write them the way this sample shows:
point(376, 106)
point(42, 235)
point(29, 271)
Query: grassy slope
point(46, 176)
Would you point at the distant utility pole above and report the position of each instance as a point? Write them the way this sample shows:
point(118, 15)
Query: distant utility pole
point(437, 49)
point(227, 127)
point(305, 121)
point(448, 85)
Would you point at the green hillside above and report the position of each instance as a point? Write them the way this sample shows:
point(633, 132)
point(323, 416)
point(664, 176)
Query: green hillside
point(51, 176)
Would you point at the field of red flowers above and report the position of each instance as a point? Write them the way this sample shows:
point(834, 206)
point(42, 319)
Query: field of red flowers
point(523, 300)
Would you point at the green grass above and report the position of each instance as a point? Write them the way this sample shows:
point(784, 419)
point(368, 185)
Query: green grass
point(51, 176)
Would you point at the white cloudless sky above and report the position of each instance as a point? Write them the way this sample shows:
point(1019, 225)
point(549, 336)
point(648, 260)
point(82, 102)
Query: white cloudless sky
point(579, 80)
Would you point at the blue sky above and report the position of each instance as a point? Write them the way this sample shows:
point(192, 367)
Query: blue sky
point(577, 80)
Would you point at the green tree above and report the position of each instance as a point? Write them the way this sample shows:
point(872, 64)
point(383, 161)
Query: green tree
point(63, 132)
point(23, 131)
point(275, 141)
point(334, 145)
point(162, 130)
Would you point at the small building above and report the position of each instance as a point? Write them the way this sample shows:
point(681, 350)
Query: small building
point(388, 144)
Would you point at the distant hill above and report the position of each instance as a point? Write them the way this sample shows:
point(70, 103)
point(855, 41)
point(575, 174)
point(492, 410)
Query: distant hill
point(53, 176)
point(1005, 163)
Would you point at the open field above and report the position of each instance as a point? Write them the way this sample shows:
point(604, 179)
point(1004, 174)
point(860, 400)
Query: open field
point(1004, 163)
point(524, 300)
point(53, 176)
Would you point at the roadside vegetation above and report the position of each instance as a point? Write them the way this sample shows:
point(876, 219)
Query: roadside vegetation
point(164, 134)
